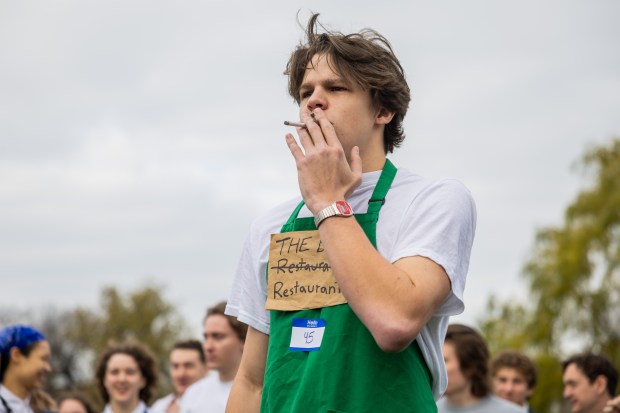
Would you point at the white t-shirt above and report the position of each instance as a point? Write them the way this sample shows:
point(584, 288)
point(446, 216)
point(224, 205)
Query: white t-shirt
point(16, 404)
point(140, 408)
point(489, 404)
point(161, 405)
point(207, 395)
point(435, 219)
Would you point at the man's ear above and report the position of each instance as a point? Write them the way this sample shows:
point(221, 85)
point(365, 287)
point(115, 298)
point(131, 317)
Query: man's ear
point(384, 116)
point(600, 384)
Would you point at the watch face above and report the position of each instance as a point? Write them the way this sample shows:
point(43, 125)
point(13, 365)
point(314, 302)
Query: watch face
point(344, 208)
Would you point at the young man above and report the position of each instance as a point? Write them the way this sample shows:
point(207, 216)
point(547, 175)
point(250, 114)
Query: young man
point(224, 339)
point(589, 382)
point(514, 378)
point(350, 317)
point(188, 364)
point(467, 357)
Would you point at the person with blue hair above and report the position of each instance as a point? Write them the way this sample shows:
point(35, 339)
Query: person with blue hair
point(25, 363)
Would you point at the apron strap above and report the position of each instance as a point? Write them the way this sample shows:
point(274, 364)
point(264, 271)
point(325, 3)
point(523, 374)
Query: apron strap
point(383, 186)
point(295, 213)
point(6, 405)
point(378, 195)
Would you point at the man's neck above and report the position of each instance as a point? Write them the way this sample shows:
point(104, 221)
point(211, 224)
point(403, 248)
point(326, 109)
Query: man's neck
point(227, 375)
point(462, 398)
point(598, 406)
point(373, 158)
point(15, 387)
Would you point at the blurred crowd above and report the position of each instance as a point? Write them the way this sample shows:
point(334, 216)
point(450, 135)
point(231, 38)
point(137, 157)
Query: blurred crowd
point(202, 374)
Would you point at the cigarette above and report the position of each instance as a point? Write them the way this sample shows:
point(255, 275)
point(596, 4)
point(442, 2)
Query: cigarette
point(297, 124)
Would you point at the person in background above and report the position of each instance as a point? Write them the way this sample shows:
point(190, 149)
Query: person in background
point(126, 376)
point(224, 339)
point(74, 403)
point(25, 363)
point(467, 358)
point(590, 382)
point(188, 364)
point(514, 378)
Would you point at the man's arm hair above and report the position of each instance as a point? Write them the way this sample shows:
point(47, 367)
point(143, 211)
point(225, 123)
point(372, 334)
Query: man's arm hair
point(245, 395)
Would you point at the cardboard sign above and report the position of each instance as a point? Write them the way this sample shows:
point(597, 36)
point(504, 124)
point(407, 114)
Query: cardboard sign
point(299, 276)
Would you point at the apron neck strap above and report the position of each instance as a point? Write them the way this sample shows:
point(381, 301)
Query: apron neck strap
point(383, 186)
point(378, 195)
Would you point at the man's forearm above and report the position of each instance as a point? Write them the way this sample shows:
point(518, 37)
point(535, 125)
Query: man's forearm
point(244, 397)
point(394, 301)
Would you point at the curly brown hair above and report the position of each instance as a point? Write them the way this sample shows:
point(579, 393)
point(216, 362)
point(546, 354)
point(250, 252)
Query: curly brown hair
point(88, 407)
point(367, 59)
point(518, 361)
point(146, 363)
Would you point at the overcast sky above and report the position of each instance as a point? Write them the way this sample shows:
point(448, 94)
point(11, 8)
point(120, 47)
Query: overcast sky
point(138, 139)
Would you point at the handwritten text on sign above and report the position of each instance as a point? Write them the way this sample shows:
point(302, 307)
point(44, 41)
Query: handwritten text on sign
point(299, 276)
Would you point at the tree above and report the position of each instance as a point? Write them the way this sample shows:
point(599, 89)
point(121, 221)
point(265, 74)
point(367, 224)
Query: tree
point(573, 276)
point(574, 272)
point(142, 315)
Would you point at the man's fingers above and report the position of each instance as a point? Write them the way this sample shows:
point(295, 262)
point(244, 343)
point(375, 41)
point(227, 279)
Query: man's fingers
point(314, 131)
point(356, 161)
point(328, 133)
point(296, 151)
point(305, 139)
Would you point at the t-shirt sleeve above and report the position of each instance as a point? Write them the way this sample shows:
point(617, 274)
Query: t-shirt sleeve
point(439, 224)
point(246, 300)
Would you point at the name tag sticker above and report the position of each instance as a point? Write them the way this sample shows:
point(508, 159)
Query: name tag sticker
point(307, 334)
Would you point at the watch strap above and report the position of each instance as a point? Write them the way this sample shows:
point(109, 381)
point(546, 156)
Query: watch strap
point(338, 208)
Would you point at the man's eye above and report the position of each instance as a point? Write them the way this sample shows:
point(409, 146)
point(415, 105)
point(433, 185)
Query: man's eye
point(305, 95)
point(338, 88)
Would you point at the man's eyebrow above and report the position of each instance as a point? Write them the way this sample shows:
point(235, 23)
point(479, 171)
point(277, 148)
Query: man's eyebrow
point(327, 82)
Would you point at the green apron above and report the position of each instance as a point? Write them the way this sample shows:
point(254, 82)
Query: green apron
point(349, 373)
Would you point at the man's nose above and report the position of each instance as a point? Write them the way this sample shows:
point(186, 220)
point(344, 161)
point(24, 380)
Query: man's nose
point(318, 99)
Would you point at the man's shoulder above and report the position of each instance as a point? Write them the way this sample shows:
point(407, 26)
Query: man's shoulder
point(489, 404)
point(204, 390)
point(196, 388)
point(500, 405)
point(161, 404)
point(422, 195)
point(422, 184)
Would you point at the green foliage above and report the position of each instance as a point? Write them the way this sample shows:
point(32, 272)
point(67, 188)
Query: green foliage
point(549, 387)
point(141, 315)
point(505, 326)
point(574, 282)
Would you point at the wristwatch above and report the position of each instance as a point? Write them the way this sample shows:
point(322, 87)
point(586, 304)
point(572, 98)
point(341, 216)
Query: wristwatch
point(338, 208)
